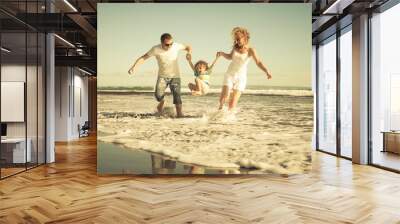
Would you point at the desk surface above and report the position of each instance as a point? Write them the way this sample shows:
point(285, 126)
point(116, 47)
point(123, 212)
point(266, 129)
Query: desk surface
point(13, 140)
point(390, 132)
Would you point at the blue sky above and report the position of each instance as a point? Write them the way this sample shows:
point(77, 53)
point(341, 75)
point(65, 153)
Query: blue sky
point(281, 34)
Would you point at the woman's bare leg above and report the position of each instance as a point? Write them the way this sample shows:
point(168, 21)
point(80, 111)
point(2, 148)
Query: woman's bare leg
point(234, 98)
point(223, 96)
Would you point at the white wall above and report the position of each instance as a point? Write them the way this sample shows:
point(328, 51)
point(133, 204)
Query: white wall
point(71, 87)
point(62, 81)
point(13, 73)
point(16, 73)
point(33, 126)
point(82, 82)
point(12, 101)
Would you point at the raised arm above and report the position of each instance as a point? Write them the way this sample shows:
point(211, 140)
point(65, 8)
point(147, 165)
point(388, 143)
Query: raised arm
point(215, 60)
point(189, 59)
point(225, 55)
point(259, 63)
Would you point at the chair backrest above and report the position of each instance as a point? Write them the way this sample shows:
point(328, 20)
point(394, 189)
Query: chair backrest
point(86, 125)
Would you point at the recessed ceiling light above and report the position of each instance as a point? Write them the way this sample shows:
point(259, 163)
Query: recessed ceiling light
point(70, 5)
point(84, 71)
point(333, 6)
point(64, 40)
point(5, 50)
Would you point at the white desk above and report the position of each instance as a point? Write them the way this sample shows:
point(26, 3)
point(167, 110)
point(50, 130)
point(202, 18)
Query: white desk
point(19, 149)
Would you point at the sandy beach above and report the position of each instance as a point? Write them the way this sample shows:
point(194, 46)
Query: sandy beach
point(269, 133)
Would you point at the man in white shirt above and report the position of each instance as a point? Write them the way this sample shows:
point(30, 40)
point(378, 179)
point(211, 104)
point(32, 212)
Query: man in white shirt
point(166, 54)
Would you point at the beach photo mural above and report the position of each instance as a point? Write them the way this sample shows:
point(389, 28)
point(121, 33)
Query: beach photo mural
point(204, 88)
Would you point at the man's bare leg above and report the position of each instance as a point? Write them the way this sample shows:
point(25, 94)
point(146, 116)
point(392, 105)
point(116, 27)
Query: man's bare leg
point(179, 110)
point(160, 106)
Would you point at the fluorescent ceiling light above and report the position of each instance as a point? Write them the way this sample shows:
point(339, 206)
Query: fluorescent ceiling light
point(331, 7)
point(65, 41)
point(5, 49)
point(70, 5)
point(338, 6)
point(84, 71)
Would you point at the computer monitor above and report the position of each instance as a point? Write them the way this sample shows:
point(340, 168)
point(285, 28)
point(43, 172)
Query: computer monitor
point(3, 129)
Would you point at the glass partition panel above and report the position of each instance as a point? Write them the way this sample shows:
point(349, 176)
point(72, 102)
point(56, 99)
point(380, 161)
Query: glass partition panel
point(346, 93)
point(41, 98)
point(31, 98)
point(22, 88)
point(385, 89)
point(327, 95)
point(14, 153)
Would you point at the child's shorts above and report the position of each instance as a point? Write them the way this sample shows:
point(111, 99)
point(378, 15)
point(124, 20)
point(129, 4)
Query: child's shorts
point(205, 86)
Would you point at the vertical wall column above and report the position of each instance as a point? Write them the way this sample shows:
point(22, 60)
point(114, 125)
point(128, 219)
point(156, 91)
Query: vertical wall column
point(92, 100)
point(315, 92)
point(50, 92)
point(360, 89)
point(50, 99)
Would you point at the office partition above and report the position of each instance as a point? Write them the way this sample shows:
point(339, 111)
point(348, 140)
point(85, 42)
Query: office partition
point(23, 88)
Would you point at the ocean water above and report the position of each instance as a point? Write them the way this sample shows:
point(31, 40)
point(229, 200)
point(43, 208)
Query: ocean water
point(269, 133)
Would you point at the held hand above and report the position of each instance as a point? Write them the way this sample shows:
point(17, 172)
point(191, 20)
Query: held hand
point(188, 57)
point(269, 76)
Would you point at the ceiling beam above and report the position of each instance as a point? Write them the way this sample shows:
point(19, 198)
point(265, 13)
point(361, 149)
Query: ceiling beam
point(82, 61)
point(84, 24)
point(337, 6)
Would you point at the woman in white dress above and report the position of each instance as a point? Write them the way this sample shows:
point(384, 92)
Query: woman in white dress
point(236, 76)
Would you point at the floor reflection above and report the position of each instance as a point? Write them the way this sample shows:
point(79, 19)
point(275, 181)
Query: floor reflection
point(162, 165)
point(115, 159)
